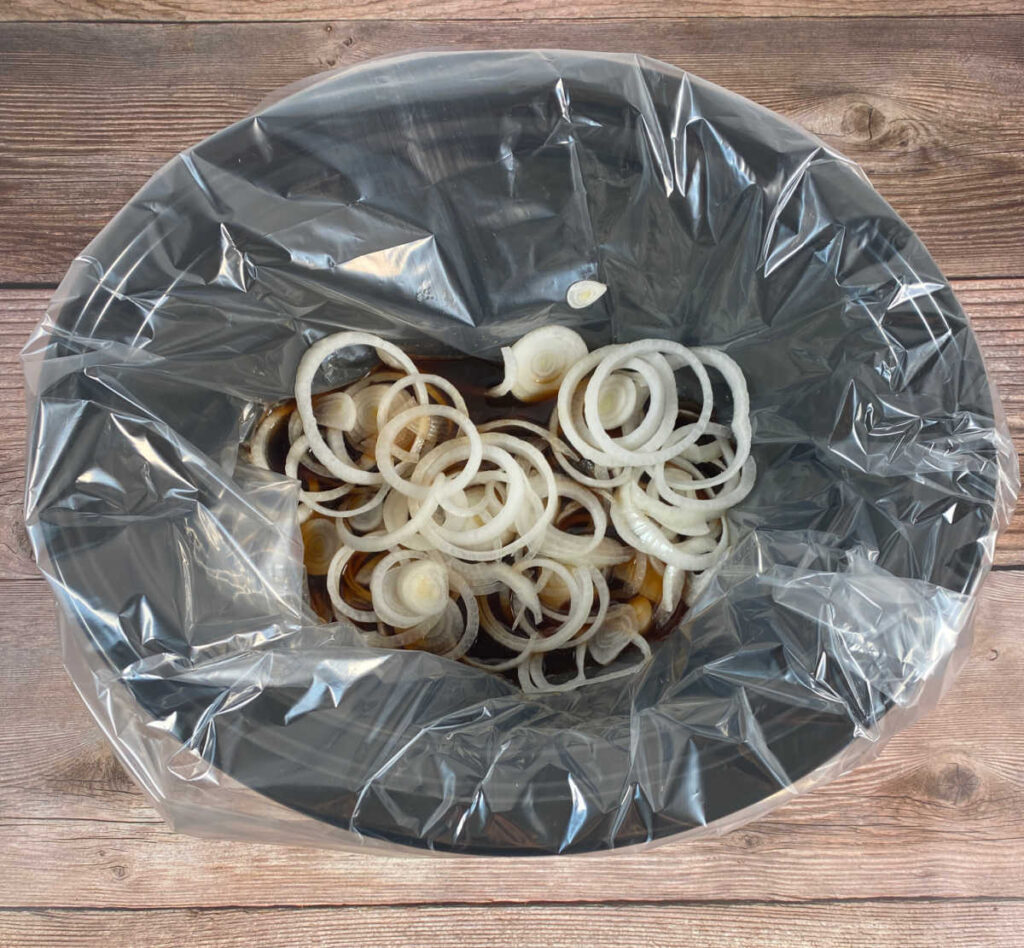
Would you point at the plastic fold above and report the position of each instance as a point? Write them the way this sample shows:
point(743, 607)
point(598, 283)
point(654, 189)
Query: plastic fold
point(447, 201)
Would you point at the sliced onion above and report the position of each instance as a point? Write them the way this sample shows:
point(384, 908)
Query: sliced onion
point(308, 366)
point(451, 509)
point(422, 587)
point(440, 487)
point(375, 501)
point(618, 401)
point(733, 376)
point(522, 647)
point(558, 447)
point(341, 608)
point(651, 426)
point(462, 539)
point(735, 490)
point(395, 512)
point(538, 524)
point(603, 604)
point(370, 518)
point(619, 628)
point(692, 522)
point(645, 535)
point(432, 384)
point(511, 374)
point(374, 543)
point(533, 681)
point(674, 581)
point(581, 586)
point(335, 410)
point(472, 618)
point(536, 364)
point(420, 634)
point(320, 542)
point(661, 445)
point(366, 402)
point(584, 293)
point(485, 578)
point(406, 596)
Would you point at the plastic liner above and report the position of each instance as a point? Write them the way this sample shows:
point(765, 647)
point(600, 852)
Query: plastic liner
point(447, 201)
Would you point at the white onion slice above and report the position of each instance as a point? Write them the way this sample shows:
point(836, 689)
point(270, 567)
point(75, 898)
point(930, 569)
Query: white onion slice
point(374, 543)
point(320, 542)
point(603, 604)
point(579, 546)
point(735, 490)
point(523, 648)
point(645, 535)
point(581, 586)
point(421, 490)
point(418, 633)
point(396, 389)
point(472, 618)
point(406, 596)
point(341, 608)
point(534, 532)
point(618, 400)
point(733, 376)
point(536, 364)
point(584, 293)
point(454, 537)
point(619, 628)
point(306, 372)
point(533, 681)
point(673, 581)
point(661, 446)
point(511, 374)
point(335, 410)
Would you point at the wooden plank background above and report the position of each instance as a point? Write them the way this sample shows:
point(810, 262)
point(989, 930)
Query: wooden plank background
point(923, 846)
point(453, 10)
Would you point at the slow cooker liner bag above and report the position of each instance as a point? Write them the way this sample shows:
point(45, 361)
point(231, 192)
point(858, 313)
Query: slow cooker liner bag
point(446, 201)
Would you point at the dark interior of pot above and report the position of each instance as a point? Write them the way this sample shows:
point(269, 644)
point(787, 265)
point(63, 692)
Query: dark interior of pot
point(447, 202)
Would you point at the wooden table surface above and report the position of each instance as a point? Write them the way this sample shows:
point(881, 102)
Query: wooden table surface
point(924, 846)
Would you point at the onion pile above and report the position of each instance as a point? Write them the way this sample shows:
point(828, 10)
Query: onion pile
point(550, 553)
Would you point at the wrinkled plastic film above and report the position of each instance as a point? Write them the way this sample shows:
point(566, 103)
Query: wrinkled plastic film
point(447, 201)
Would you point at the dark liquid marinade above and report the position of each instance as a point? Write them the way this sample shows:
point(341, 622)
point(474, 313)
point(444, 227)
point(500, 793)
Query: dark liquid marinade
point(277, 446)
point(473, 377)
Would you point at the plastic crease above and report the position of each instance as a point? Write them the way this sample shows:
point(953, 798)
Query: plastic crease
point(447, 201)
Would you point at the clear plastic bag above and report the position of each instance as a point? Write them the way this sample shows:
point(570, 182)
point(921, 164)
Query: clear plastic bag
point(447, 201)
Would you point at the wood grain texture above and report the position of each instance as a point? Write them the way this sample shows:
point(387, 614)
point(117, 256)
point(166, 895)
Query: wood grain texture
point(945, 798)
point(981, 924)
point(921, 847)
point(932, 108)
point(20, 312)
point(242, 10)
point(996, 308)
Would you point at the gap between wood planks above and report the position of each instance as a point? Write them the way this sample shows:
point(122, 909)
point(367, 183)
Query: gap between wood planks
point(282, 11)
point(443, 905)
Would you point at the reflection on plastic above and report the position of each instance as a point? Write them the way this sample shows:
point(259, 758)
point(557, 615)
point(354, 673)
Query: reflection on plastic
point(448, 202)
